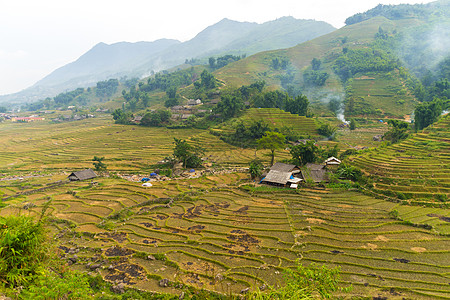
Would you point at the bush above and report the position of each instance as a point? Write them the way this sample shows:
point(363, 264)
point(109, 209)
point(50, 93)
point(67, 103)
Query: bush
point(255, 169)
point(69, 285)
point(302, 282)
point(349, 172)
point(326, 130)
point(23, 250)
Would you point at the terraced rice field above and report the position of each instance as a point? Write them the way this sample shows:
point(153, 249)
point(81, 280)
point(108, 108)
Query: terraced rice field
point(375, 91)
point(71, 146)
point(209, 233)
point(277, 118)
point(418, 167)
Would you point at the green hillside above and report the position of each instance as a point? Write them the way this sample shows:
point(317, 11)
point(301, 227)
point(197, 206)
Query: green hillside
point(329, 48)
point(278, 118)
point(416, 169)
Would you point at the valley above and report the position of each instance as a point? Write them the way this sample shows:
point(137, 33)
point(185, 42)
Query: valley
point(282, 160)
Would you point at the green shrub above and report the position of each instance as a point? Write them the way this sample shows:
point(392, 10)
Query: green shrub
point(23, 249)
point(302, 282)
point(69, 285)
point(441, 197)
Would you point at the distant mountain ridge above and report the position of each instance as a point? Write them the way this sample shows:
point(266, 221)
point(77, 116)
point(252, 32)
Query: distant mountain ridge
point(109, 59)
point(138, 59)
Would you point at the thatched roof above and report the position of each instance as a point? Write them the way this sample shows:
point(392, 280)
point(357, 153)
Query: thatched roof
point(316, 173)
point(314, 166)
point(278, 177)
point(82, 175)
point(281, 167)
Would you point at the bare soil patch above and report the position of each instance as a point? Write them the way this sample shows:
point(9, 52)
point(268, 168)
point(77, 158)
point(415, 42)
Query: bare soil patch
point(117, 236)
point(127, 273)
point(118, 251)
point(442, 218)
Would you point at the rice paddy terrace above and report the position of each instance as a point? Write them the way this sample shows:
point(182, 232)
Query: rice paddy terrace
point(278, 118)
point(274, 118)
point(417, 168)
point(210, 233)
point(71, 146)
point(381, 94)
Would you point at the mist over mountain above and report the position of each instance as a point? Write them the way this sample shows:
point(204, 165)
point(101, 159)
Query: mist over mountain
point(105, 61)
point(424, 40)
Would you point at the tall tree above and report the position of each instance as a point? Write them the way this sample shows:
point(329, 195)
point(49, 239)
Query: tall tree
point(229, 106)
point(427, 113)
point(98, 163)
point(304, 153)
point(298, 105)
point(272, 141)
point(189, 155)
point(397, 132)
point(315, 64)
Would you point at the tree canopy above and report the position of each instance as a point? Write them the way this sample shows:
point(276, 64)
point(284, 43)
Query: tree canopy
point(304, 153)
point(272, 141)
point(427, 113)
point(188, 154)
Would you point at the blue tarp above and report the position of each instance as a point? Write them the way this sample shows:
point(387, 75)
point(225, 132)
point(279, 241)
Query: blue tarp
point(262, 179)
point(192, 170)
point(153, 174)
point(145, 179)
point(292, 177)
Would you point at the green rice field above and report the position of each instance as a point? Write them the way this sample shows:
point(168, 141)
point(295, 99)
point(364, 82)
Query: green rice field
point(416, 169)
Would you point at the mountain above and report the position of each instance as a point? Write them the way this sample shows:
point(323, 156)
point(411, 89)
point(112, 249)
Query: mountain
point(104, 61)
point(370, 65)
point(140, 59)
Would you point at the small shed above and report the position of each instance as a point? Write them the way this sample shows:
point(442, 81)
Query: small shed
point(332, 161)
point(82, 175)
point(314, 172)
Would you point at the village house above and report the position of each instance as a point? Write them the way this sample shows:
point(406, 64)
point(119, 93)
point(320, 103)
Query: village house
point(332, 163)
point(137, 119)
point(26, 119)
point(82, 175)
point(285, 175)
point(302, 141)
point(177, 107)
point(194, 102)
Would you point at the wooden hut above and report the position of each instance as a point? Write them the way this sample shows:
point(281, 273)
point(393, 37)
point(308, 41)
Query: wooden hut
point(282, 175)
point(82, 175)
point(314, 172)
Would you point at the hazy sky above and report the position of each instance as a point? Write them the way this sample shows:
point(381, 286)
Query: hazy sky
point(38, 36)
